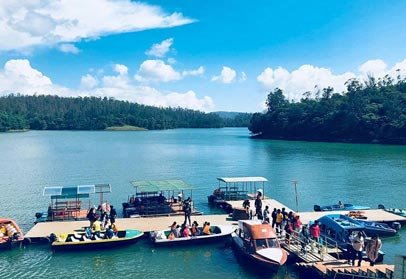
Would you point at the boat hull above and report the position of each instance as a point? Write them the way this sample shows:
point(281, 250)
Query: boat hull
point(336, 207)
point(252, 259)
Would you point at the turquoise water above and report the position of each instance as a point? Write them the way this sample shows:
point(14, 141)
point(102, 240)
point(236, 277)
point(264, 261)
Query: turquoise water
point(326, 172)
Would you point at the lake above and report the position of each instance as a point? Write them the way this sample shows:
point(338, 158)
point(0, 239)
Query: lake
point(326, 172)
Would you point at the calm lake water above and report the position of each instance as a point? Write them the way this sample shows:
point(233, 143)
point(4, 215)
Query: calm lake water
point(327, 172)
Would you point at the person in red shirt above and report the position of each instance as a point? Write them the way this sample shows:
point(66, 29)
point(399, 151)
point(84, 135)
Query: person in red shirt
point(315, 231)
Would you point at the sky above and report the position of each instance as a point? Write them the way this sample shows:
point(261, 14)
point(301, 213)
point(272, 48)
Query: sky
point(205, 55)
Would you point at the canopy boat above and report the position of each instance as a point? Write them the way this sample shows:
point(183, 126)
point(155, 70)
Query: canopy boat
point(259, 244)
point(340, 206)
point(67, 202)
point(79, 241)
point(218, 234)
point(158, 198)
point(235, 188)
point(380, 229)
point(335, 230)
point(10, 233)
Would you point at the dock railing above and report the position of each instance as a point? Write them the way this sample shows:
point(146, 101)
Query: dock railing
point(319, 249)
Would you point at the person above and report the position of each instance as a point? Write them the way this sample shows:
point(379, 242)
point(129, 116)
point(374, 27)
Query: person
point(207, 228)
point(288, 232)
point(304, 239)
point(161, 198)
point(273, 215)
point(180, 197)
point(372, 249)
point(315, 231)
point(96, 228)
point(178, 231)
point(109, 232)
point(349, 250)
point(285, 217)
point(195, 230)
point(258, 206)
point(91, 216)
point(278, 221)
point(171, 236)
point(340, 204)
point(297, 225)
point(246, 205)
point(187, 209)
point(186, 231)
point(173, 228)
point(358, 246)
point(113, 215)
point(88, 233)
point(291, 218)
point(115, 228)
point(266, 214)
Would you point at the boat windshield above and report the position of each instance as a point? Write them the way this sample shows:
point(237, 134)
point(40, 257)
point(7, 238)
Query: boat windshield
point(267, 243)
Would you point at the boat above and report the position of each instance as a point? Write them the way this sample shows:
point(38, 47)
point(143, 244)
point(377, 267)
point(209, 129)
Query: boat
point(258, 244)
point(10, 234)
point(380, 229)
point(78, 241)
point(235, 188)
point(340, 206)
point(218, 234)
point(335, 230)
point(397, 211)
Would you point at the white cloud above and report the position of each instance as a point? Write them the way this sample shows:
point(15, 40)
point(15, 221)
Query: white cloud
point(171, 60)
point(160, 49)
point(226, 76)
point(307, 77)
point(121, 69)
point(197, 72)
point(373, 68)
point(68, 48)
point(88, 81)
point(28, 23)
point(18, 76)
point(156, 71)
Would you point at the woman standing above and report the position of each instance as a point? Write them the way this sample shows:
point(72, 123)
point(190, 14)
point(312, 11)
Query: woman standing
point(372, 249)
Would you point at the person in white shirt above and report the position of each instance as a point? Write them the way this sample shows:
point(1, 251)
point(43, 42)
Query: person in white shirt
point(358, 245)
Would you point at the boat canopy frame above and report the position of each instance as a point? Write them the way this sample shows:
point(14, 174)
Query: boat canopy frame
point(151, 188)
point(73, 195)
point(235, 187)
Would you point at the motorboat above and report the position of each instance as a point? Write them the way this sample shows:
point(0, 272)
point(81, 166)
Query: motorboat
point(10, 233)
point(218, 234)
point(380, 229)
point(336, 229)
point(340, 206)
point(79, 241)
point(257, 242)
point(397, 211)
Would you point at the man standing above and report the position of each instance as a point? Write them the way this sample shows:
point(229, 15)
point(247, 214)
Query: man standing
point(187, 208)
point(358, 245)
point(258, 206)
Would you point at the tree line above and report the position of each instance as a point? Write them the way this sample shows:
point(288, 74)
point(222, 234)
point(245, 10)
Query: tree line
point(369, 112)
point(46, 112)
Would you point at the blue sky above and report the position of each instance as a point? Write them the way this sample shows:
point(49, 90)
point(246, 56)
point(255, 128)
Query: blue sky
point(209, 55)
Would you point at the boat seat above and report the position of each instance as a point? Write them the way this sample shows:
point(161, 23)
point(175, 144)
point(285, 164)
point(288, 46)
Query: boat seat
point(73, 239)
point(86, 239)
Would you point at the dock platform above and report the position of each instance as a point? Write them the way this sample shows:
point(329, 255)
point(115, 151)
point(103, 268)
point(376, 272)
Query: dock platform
point(42, 230)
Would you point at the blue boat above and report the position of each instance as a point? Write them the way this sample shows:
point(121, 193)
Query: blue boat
point(380, 229)
point(335, 229)
point(340, 206)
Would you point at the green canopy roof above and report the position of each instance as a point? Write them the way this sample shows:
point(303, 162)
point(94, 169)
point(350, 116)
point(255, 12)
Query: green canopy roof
point(80, 191)
point(161, 185)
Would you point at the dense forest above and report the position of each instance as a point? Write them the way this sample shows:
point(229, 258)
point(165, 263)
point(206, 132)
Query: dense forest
point(371, 111)
point(90, 113)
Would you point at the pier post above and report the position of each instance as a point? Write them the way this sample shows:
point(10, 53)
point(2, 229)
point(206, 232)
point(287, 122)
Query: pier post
point(297, 204)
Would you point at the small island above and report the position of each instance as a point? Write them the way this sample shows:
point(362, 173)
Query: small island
point(125, 128)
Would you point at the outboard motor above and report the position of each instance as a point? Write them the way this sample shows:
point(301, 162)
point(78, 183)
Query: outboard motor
point(52, 237)
point(396, 226)
point(381, 206)
point(317, 207)
point(38, 215)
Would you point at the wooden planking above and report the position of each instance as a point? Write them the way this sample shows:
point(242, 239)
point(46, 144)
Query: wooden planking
point(44, 229)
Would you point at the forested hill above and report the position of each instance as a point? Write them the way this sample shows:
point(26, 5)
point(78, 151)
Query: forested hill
point(374, 111)
point(91, 113)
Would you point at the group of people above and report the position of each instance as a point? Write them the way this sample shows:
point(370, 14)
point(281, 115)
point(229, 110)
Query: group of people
point(8, 231)
point(356, 245)
point(184, 230)
point(102, 218)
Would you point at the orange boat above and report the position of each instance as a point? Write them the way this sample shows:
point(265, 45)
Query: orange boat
point(10, 233)
point(259, 244)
